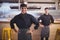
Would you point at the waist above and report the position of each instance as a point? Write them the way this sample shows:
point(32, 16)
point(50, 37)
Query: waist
point(24, 30)
point(23, 27)
point(46, 23)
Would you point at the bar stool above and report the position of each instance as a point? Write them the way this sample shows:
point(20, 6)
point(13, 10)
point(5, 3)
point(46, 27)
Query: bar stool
point(57, 37)
point(6, 34)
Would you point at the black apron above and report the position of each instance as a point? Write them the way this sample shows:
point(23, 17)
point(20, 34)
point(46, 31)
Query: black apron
point(23, 35)
point(45, 31)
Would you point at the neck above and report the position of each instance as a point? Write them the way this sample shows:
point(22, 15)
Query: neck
point(46, 13)
point(23, 13)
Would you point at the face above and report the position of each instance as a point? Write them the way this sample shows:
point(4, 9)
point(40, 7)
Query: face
point(24, 10)
point(46, 11)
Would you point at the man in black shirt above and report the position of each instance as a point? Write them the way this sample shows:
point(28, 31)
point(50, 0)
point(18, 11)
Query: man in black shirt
point(45, 20)
point(23, 22)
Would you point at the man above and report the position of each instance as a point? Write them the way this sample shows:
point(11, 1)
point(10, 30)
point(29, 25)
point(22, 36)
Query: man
point(23, 22)
point(44, 21)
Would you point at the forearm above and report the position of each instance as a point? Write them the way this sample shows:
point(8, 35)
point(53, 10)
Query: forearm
point(41, 25)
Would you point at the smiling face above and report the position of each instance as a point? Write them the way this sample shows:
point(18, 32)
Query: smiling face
point(46, 11)
point(24, 10)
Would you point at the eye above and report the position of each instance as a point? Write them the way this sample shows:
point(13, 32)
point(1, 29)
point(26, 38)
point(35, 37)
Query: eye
point(22, 8)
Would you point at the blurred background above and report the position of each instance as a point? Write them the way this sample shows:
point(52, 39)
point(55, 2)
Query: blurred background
point(10, 8)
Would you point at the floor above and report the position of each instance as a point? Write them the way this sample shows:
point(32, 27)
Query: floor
point(35, 33)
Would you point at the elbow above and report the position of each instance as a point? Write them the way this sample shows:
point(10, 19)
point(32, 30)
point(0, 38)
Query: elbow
point(52, 21)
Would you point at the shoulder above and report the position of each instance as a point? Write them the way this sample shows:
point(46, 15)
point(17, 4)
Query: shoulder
point(50, 15)
point(41, 16)
point(16, 16)
point(30, 15)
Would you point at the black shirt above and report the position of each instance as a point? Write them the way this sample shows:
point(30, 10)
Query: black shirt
point(46, 19)
point(23, 21)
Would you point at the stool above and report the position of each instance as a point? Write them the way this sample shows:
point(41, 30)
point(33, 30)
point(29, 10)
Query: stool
point(57, 34)
point(6, 34)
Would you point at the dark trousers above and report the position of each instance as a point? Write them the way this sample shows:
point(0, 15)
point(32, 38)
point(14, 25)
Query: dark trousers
point(22, 35)
point(42, 38)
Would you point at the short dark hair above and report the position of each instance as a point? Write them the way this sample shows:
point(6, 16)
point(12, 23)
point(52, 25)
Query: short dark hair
point(46, 8)
point(23, 5)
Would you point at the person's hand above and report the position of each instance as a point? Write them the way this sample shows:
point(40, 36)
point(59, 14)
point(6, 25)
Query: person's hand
point(41, 25)
point(30, 31)
point(15, 30)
